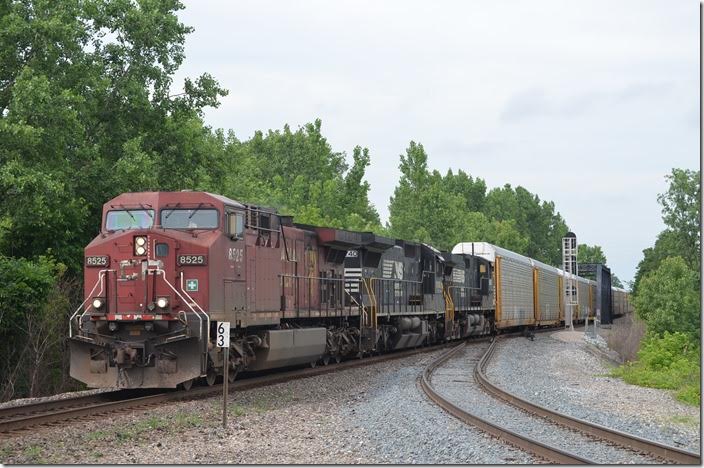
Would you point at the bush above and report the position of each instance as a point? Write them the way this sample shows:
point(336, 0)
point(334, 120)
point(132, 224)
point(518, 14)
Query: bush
point(668, 299)
point(668, 362)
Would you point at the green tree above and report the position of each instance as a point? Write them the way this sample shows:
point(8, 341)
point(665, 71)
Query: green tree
point(590, 254)
point(299, 173)
point(84, 89)
point(681, 211)
point(85, 113)
point(668, 299)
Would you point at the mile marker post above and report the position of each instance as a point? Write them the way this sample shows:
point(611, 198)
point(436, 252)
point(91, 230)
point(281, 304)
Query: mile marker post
point(223, 341)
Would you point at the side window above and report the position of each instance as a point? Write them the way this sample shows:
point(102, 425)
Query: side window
point(235, 224)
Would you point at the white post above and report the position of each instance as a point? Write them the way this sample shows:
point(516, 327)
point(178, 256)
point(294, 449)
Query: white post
point(223, 341)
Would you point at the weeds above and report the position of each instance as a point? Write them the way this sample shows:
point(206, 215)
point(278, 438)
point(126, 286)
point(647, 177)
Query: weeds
point(670, 362)
point(625, 337)
point(33, 453)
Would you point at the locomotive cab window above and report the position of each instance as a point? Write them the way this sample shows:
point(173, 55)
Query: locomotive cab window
point(194, 218)
point(129, 219)
point(235, 225)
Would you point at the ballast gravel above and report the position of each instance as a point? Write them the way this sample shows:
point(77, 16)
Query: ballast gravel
point(371, 414)
point(454, 380)
point(557, 371)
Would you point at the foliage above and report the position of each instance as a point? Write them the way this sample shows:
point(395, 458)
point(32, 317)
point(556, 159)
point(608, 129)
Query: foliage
point(667, 296)
point(668, 299)
point(443, 211)
point(681, 212)
point(299, 173)
point(33, 301)
point(670, 361)
point(590, 254)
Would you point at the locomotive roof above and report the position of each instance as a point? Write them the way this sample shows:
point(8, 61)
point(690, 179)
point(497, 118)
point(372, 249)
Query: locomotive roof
point(155, 198)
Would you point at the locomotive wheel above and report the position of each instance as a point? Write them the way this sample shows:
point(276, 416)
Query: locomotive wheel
point(211, 376)
point(313, 364)
point(326, 360)
point(186, 385)
point(231, 375)
point(338, 358)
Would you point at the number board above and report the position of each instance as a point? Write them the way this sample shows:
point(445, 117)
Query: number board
point(191, 260)
point(97, 261)
point(223, 339)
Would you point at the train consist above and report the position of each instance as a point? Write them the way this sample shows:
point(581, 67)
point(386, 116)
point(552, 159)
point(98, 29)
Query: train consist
point(167, 266)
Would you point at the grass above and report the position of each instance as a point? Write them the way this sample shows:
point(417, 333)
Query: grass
point(33, 453)
point(669, 362)
point(237, 410)
point(685, 420)
point(146, 428)
point(5, 452)
point(96, 435)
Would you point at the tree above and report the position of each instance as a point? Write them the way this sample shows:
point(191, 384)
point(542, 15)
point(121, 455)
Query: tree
point(299, 173)
point(668, 299)
point(84, 89)
point(85, 113)
point(590, 254)
point(681, 211)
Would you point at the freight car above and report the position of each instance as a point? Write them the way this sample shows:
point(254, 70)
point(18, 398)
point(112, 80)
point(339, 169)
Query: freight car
point(167, 266)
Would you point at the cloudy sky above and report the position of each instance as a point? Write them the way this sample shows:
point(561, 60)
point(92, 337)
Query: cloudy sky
point(586, 103)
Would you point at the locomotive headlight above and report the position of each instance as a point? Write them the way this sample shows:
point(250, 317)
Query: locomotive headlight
point(97, 303)
point(140, 245)
point(162, 302)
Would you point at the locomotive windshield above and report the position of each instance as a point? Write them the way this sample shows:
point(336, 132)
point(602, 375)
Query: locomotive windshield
point(129, 219)
point(195, 218)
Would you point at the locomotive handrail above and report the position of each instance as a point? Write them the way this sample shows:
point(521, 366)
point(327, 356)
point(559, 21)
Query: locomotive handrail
point(101, 273)
point(200, 320)
point(207, 317)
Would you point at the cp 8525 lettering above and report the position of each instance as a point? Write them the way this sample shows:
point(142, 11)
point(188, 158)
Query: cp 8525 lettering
point(192, 260)
point(97, 260)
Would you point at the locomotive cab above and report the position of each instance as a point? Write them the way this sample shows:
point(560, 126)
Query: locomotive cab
point(143, 321)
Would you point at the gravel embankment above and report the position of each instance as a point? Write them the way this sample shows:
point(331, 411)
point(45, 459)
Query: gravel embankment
point(455, 381)
point(373, 414)
point(565, 377)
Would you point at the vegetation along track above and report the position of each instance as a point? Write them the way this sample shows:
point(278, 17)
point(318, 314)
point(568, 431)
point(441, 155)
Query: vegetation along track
point(453, 382)
point(666, 452)
point(22, 417)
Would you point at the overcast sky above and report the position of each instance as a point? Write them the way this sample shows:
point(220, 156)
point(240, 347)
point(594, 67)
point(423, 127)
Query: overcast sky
point(585, 103)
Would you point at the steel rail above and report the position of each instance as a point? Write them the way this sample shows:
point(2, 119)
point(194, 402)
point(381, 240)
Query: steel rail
point(528, 444)
point(666, 452)
point(36, 414)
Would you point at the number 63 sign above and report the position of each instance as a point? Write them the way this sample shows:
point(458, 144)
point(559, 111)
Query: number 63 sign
point(223, 339)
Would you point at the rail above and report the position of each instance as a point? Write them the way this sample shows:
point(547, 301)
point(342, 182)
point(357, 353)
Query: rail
point(534, 446)
point(672, 454)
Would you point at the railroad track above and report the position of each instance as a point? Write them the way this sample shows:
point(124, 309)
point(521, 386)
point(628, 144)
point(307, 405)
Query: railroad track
point(23, 417)
point(666, 452)
point(567, 443)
